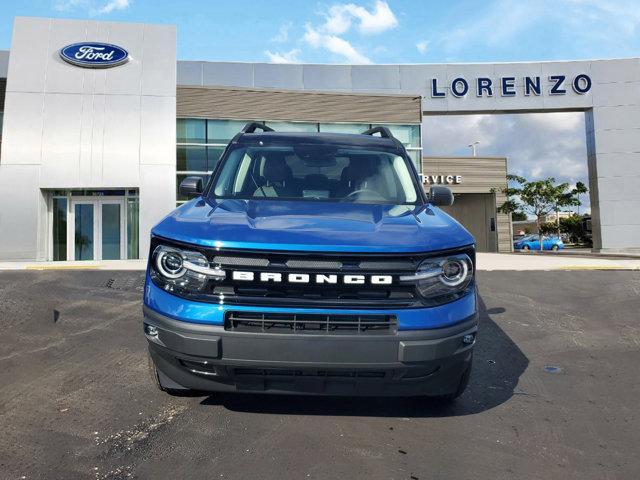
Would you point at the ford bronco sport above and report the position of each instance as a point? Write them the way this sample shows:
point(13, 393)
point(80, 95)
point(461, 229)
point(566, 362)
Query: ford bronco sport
point(312, 263)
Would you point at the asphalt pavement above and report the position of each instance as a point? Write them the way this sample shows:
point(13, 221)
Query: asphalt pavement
point(553, 394)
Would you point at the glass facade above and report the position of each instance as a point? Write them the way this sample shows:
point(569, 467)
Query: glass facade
point(111, 233)
point(81, 206)
point(192, 131)
point(59, 228)
point(221, 131)
point(133, 225)
point(293, 126)
point(343, 127)
point(83, 231)
point(200, 142)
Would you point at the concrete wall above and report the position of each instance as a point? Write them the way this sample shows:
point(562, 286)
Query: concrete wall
point(612, 106)
point(70, 127)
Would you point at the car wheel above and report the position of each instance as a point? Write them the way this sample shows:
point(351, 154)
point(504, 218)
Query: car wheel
point(462, 386)
point(555, 248)
point(525, 247)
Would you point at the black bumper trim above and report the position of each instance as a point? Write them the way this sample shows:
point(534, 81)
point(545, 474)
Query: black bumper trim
point(412, 362)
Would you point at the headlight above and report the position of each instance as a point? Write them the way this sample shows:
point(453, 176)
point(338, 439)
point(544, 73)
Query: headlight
point(182, 271)
point(442, 279)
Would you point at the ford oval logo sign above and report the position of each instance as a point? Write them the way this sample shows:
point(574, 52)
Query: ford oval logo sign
point(94, 55)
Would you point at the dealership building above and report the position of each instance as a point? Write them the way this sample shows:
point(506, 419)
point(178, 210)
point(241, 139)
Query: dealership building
point(100, 123)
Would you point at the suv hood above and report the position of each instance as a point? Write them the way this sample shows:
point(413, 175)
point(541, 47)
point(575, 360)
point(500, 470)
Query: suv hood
point(313, 226)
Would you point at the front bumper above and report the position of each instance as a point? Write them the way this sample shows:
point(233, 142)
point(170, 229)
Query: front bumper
point(209, 358)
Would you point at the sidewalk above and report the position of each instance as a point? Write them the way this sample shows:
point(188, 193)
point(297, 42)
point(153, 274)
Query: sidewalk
point(486, 261)
point(86, 265)
point(518, 261)
point(584, 252)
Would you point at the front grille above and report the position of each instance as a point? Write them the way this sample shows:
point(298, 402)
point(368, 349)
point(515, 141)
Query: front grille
point(328, 295)
point(284, 323)
point(258, 294)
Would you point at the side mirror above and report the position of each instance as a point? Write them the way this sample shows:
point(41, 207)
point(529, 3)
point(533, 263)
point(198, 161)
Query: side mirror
point(440, 196)
point(191, 187)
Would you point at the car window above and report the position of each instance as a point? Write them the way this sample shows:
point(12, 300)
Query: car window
point(316, 173)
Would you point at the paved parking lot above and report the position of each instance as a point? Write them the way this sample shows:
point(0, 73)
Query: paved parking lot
point(554, 394)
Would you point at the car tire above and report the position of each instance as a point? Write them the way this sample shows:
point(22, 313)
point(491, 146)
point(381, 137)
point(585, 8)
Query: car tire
point(555, 248)
point(462, 386)
point(525, 247)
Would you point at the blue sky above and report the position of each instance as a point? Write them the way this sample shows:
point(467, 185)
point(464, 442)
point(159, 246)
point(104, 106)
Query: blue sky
point(395, 31)
point(400, 31)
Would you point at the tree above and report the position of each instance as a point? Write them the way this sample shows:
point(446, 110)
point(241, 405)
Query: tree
point(518, 216)
point(539, 198)
point(572, 226)
point(547, 228)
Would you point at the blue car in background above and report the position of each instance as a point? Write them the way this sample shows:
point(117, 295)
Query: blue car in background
point(532, 242)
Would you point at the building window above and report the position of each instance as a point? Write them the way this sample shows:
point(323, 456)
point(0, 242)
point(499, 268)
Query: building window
point(191, 158)
point(59, 228)
point(222, 131)
point(133, 227)
point(344, 127)
point(293, 126)
point(200, 142)
point(192, 131)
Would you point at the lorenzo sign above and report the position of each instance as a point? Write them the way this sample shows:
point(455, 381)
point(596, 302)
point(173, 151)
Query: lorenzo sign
point(506, 86)
point(94, 55)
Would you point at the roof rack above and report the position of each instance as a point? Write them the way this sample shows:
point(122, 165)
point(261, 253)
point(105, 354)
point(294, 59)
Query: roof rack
point(253, 126)
point(383, 131)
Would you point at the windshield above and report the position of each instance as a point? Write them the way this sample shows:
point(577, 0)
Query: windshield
point(315, 173)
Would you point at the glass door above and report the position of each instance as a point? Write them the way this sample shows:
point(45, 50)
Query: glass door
point(84, 229)
point(112, 230)
point(97, 229)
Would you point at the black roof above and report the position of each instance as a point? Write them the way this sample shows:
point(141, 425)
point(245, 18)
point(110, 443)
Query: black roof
point(345, 139)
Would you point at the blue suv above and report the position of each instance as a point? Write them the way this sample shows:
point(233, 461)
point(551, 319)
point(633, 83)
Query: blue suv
point(312, 263)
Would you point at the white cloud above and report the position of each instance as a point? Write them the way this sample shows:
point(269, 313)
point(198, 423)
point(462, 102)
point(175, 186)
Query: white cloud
point(340, 16)
point(114, 5)
point(329, 32)
point(284, 57)
point(283, 33)
point(92, 7)
point(422, 46)
point(334, 44)
point(340, 19)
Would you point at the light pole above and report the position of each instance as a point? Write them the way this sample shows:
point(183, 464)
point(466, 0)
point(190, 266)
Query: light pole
point(473, 146)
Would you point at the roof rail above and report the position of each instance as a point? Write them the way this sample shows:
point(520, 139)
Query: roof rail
point(253, 126)
point(383, 131)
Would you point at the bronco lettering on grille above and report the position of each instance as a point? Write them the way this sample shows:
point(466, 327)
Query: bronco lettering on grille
point(332, 279)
